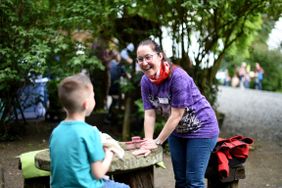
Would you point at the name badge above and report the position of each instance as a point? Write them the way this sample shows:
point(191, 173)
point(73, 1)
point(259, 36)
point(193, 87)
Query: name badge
point(163, 100)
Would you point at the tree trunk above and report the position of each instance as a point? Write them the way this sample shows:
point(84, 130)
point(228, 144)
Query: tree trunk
point(126, 120)
point(143, 178)
point(2, 183)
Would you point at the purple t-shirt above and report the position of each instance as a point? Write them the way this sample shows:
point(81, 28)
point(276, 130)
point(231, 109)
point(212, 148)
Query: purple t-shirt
point(180, 91)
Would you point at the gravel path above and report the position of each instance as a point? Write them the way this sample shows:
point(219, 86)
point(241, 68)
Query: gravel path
point(255, 114)
point(250, 112)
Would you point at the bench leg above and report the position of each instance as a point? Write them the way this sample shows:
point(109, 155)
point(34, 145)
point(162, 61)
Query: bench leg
point(216, 183)
point(2, 183)
point(139, 178)
point(40, 182)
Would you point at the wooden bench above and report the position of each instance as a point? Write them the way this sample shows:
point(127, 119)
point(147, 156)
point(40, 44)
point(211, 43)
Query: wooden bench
point(136, 171)
point(236, 172)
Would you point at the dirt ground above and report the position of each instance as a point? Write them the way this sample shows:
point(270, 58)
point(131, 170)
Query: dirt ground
point(260, 120)
point(262, 168)
point(34, 136)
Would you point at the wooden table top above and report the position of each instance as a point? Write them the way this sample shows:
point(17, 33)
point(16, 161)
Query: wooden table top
point(129, 162)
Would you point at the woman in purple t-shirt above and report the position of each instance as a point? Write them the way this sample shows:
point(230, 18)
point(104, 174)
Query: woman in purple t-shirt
point(191, 127)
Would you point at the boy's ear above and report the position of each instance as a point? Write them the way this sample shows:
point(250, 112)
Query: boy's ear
point(85, 104)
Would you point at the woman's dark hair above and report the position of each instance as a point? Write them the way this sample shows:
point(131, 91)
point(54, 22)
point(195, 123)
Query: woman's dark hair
point(155, 47)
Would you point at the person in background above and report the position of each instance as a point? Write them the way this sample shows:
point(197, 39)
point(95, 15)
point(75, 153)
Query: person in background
point(259, 76)
point(227, 78)
point(191, 126)
point(125, 53)
point(247, 77)
point(242, 74)
point(117, 71)
point(76, 151)
point(235, 82)
point(126, 58)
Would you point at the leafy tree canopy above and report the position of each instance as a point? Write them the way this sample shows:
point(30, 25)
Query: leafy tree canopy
point(203, 31)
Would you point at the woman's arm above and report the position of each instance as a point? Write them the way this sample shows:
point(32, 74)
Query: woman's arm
point(149, 123)
point(100, 168)
point(170, 125)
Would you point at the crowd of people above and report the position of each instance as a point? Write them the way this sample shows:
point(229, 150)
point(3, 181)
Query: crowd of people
point(243, 76)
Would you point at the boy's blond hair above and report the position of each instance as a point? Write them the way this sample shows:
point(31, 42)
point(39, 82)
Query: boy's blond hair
point(73, 91)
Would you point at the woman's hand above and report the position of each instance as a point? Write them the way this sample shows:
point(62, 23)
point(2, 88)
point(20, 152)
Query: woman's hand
point(146, 146)
point(141, 152)
point(149, 143)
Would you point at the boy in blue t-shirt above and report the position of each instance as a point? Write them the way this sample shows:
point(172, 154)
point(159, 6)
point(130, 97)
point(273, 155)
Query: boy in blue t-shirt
point(78, 158)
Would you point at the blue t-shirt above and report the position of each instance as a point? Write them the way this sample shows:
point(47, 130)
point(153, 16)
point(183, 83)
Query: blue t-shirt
point(180, 91)
point(74, 145)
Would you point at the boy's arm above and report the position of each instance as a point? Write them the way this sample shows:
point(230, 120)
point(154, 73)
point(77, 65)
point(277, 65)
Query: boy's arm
point(100, 168)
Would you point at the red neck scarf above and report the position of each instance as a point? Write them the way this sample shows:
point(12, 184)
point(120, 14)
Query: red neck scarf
point(162, 74)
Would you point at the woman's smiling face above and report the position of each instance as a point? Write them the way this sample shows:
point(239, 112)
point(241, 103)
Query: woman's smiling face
point(148, 60)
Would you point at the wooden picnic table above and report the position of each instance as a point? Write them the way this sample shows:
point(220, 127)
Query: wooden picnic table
point(136, 171)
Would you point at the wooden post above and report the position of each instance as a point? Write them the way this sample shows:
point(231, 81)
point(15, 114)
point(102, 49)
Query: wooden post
point(38, 182)
point(216, 183)
point(143, 178)
point(232, 181)
point(126, 119)
point(2, 180)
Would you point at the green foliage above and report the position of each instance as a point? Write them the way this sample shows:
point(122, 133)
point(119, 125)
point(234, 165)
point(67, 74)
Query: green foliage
point(206, 30)
point(34, 32)
point(23, 52)
point(241, 46)
point(140, 108)
point(90, 63)
point(94, 15)
point(258, 51)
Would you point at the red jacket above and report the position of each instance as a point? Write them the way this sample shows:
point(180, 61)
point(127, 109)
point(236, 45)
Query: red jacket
point(227, 149)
